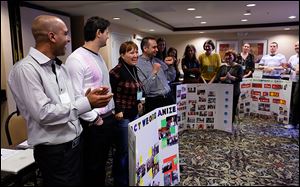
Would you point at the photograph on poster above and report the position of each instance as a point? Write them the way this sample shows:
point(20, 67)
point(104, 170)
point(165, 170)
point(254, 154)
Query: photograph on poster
point(210, 120)
point(211, 106)
point(172, 140)
point(258, 48)
point(163, 132)
point(192, 89)
point(167, 179)
point(211, 100)
point(155, 150)
point(210, 126)
point(201, 107)
point(223, 46)
point(202, 99)
point(150, 163)
point(211, 94)
point(200, 120)
point(178, 93)
point(201, 126)
point(201, 92)
point(203, 113)
point(167, 166)
point(174, 177)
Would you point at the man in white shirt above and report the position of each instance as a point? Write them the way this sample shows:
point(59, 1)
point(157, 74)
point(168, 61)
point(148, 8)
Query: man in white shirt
point(88, 69)
point(43, 91)
point(272, 64)
point(292, 67)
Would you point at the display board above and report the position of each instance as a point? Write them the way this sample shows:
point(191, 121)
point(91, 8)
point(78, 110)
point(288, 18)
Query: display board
point(205, 106)
point(153, 148)
point(266, 98)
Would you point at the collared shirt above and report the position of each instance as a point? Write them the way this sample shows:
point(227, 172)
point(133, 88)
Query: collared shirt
point(155, 85)
point(273, 61)
point(88, 70)
point(36, 92)
point(294, 61)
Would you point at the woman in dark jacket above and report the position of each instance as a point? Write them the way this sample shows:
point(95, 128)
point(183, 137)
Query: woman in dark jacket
point(231, 73)
point(127, 90)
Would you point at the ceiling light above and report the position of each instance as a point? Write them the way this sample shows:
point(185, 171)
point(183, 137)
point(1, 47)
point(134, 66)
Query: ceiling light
point(191, 9)
point(201, 32)
point(151, 30)
point(292, 17)
point(251, 5)
point(248, 13)
point(116, 18)
point(197, 17)
point(287, 29)
point(203, 22)
point(244, 20)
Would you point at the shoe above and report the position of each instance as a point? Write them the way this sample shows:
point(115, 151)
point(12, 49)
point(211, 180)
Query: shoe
point(289, 126)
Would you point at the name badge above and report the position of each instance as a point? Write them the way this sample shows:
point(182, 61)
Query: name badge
point(139, 95)
point(210, 69)
point(64, 98)
point(244, 67)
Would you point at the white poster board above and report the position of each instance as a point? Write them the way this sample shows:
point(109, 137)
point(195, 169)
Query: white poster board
point(153, 148)
point(266, 98)
point(205, 106)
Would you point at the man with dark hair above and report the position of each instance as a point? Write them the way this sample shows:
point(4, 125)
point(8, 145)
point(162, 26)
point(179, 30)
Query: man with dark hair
point(42, 89)
point(88, 69)
point(155, 75)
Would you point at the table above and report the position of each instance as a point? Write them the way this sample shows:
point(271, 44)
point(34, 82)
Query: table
point(18, 163)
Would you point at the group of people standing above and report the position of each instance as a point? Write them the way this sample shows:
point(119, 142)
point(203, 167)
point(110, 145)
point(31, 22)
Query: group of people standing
point(78, 110)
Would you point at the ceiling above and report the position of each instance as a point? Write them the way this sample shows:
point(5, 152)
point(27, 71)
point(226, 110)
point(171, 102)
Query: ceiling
point(172, 17)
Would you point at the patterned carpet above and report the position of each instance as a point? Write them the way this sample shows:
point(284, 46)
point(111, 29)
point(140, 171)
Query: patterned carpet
point(259, 152)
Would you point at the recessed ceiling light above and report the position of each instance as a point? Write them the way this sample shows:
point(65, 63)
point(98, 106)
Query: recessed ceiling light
point(197, 17)
point(247, 14)
point(244, 20)
point(292, 17)
point(203, 22)
point(151, 30)
point(201, 32)
point(287, 29)
point(116, 18)
point(251, 5)
point(191, 9)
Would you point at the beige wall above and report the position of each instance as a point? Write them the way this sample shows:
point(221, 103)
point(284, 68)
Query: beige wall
point(6, 64)
point(285, 40)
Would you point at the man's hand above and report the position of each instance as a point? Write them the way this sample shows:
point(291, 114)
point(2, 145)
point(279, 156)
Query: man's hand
point(96, 97)
point(119, 116)
point(156, 68)
point(169, 60)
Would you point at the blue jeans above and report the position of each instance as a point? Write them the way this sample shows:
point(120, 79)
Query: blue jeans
point(120, 164)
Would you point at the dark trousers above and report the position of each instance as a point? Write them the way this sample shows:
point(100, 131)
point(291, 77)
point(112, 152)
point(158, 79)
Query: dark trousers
point(152, 103)
point(120, 164)
point(234, 105)
point(60, 165)
point(97, 143)
point(293, 115)
point(295, 104)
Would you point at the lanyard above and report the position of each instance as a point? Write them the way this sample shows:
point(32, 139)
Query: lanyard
point(134, 76)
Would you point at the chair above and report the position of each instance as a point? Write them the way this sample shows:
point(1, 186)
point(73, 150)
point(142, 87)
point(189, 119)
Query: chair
point(15, 129)
point(16, 133)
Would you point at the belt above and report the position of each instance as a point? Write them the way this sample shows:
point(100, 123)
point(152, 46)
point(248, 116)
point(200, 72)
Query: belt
point(68, 145)
point(107, 114)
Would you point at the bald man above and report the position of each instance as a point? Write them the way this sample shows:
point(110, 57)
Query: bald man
point(44, 94)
